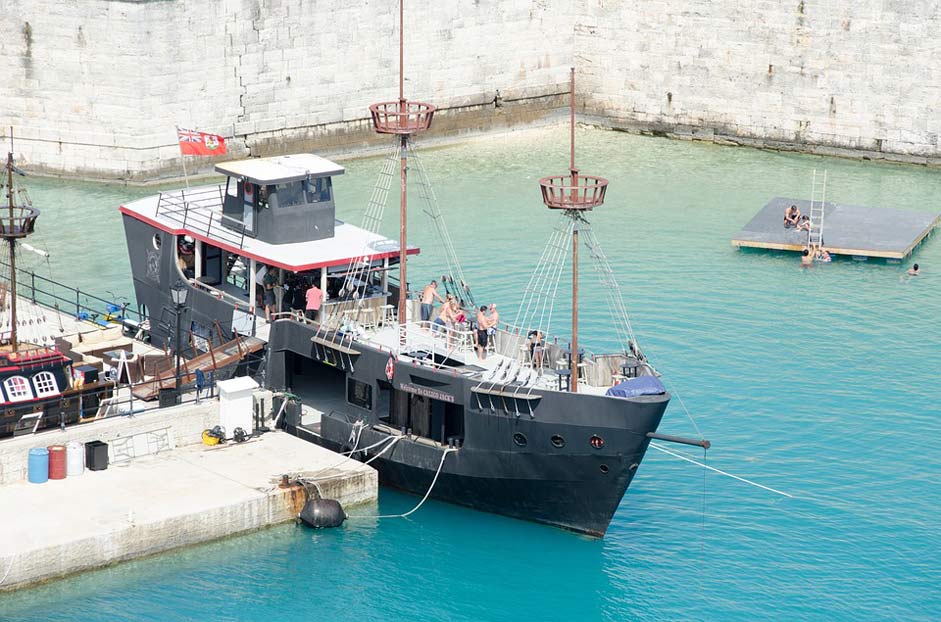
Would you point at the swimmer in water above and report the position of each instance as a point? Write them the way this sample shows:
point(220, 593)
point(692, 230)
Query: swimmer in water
point(806, 258)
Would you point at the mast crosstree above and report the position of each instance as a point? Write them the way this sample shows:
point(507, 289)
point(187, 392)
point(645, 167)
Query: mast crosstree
point(574, 195)
point(406, 119)
point(18, 222)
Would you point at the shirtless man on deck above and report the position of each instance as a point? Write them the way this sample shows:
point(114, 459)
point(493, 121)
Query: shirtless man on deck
point(482, 324)
point(427, 300)
point(492, 320)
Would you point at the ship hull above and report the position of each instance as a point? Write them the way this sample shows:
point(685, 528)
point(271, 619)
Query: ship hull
point(568, 491)
point(539, 466)
point(528, 454)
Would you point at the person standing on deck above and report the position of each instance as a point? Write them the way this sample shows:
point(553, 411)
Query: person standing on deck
point(314, 296)
point(492, 320)
point(427, 300)
point(446, 316)
point(260, 282)
point(269, 281)
point(482, 324)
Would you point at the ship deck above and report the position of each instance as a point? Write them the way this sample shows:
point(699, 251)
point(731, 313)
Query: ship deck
point(197, 212)
point(851, 230)
point(507, 367)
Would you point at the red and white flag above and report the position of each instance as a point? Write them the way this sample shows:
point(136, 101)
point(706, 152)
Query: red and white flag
point(200, 143)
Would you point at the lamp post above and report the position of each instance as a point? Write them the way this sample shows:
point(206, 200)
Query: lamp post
point(178, 294)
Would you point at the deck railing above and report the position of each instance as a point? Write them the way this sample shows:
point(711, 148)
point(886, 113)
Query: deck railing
point(108, 400)
point(239, 303)
point(437, 340)
point(200, 210)
point(51, 294)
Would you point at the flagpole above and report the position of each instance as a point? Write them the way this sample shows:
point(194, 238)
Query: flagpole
point(185, 177)
point(182, 158)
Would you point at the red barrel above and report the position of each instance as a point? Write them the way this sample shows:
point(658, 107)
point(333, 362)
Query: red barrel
point(57, 462)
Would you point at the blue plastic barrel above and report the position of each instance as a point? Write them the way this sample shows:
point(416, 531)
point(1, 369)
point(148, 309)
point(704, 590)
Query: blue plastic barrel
point(38, 465)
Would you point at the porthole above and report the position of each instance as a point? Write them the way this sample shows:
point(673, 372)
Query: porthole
point(156, 241)
point(557, 441)
point(604, 469)
point(519, 439)
point(596, 441)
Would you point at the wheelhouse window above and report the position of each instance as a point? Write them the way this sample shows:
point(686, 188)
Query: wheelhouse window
point(290, 195)
point(17, 388)
point(317, 190)
point(45, 384)
point(359, 393)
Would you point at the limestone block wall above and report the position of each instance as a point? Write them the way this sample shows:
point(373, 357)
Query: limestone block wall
point(857, 75)
point(96, 88)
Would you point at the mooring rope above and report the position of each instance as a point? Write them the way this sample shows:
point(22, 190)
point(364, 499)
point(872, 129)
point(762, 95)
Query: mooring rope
point(423, 499)
point(366, 448)
point(720, 472)
point(395, 439)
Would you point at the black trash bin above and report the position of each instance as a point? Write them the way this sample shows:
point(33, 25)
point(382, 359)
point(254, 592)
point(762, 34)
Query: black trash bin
point(168, 397)
point(96, 455)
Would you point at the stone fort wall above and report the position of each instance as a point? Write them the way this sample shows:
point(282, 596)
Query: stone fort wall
point(832, 76)
point(96, 88)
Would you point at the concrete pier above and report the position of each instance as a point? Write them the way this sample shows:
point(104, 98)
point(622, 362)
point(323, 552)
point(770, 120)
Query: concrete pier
point(162, 501)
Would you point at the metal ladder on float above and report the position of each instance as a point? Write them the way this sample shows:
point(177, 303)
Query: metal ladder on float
point(818, 197)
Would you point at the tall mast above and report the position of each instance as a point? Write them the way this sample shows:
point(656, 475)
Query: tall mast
point(12, 242)
point(574, 194)
point(20, 223)
point(402, 118)
point(403, 175)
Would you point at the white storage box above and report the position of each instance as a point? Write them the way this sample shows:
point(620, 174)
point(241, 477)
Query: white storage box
point(235, 404)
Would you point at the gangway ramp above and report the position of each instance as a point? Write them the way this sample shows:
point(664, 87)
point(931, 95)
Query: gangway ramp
point(217, 357)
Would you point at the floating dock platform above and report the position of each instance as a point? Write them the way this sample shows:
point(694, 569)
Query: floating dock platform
point(178, 496)
point(848, 229)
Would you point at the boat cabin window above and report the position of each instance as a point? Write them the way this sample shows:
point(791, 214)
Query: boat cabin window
point(359, 393)
point(45, 384)
point(317, 190)
point(290, 194)
point(304, 192)
point(231, 187)
point(17, 389)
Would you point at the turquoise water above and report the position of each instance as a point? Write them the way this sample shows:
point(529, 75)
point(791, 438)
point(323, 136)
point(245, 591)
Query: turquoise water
point(822, 383)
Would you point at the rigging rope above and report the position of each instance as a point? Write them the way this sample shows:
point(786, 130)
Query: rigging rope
point(354, 284)
point(431, 209)
point(612, 291)
point(539, 294)
point(720, 472)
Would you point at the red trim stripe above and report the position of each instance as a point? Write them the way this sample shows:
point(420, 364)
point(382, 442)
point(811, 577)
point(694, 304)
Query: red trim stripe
point(243, 253)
